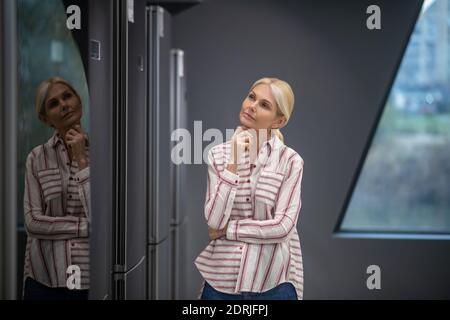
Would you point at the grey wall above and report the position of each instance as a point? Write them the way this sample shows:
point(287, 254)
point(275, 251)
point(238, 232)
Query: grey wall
point(340, 73)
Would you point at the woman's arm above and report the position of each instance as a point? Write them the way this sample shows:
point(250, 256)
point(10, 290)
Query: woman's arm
point(84, 189)
point(220, 193)
point(76, 139)
point(287, 210)
point(40, 226)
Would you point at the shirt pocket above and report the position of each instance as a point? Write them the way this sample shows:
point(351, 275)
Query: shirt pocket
point(268, 187)
point(51, 183)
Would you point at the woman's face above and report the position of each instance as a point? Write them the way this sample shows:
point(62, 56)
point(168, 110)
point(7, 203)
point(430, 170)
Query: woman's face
point(62, 107)
point(259, 109)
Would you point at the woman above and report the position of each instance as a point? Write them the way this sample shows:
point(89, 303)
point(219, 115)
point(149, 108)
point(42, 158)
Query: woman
point(252, 204)
point(57, 200)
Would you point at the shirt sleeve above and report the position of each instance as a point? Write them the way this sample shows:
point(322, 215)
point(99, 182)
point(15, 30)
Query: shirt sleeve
point(84, 190)
point(220, 193)
point(287, 209)
point(40, 226)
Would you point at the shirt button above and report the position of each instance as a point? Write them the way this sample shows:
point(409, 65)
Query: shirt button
point(248, 199)
point(70, 178)
point(68, 163)
point(70, 196)
point(248, 180)
point(235, 181)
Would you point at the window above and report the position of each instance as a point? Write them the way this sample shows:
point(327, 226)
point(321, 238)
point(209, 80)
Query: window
point(404, 185)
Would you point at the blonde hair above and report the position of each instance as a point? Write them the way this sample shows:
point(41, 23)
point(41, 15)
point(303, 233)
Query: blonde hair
point(284, 97)
point(42, 94)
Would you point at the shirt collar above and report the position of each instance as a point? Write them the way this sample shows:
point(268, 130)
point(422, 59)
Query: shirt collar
point(55, 139)
point(273, 143)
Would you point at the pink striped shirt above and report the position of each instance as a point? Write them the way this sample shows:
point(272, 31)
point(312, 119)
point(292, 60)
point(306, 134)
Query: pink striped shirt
point(261, 204)
point(56, 206)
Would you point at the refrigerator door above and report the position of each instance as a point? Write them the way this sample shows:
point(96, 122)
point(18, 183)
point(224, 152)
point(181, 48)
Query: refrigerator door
point(159, 278)
point(178, 121)
point(134, 279)
point(104, 95)
point(158, 181)
point(136, 199)
point(159, 162)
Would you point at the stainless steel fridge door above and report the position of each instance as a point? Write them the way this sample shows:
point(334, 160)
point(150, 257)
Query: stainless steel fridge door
point(158, 135)
point(103, 138)
point(134, 279)
point(178, 121)
point(136, 195)
point(158, 26)
point(8, 148)
point(159, 278)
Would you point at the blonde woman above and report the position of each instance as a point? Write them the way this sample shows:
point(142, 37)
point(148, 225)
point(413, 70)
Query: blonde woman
point(56, 200)
point(253, 203)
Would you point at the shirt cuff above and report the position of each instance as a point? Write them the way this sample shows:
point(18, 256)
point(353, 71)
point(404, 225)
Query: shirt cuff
point(82, 176)
point(83, 228)
point(230, 177)
point(232, 229)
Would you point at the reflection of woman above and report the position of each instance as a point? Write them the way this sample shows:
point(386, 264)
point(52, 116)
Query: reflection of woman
point(56, 200)
point(252, 204)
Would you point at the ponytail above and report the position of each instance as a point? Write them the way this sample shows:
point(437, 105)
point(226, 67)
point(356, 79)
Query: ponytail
point(278, 133)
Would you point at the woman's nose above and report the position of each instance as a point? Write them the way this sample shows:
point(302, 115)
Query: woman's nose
point(64, 106)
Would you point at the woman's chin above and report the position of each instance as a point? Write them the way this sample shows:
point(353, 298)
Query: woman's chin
point(245, 122)
point(72, 121)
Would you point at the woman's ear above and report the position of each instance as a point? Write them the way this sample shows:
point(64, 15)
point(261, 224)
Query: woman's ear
point(279, 122)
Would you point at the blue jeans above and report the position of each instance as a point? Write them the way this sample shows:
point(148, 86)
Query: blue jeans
point(284, 291)
point(36, 291)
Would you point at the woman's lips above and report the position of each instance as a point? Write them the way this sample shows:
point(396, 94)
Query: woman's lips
point(248, 116)
point(68, 114)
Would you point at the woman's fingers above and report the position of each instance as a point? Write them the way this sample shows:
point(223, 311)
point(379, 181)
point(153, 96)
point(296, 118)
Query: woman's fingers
point(74, 137)
point(78, 128)
point(216, 233)
point(71, 135)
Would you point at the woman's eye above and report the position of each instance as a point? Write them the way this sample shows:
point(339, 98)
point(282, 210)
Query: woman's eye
point(53, 104)
point(251, 97)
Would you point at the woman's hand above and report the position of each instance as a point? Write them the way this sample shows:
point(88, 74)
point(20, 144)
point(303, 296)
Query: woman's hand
point(217, 233)
point(76, 141)
point(240, 142)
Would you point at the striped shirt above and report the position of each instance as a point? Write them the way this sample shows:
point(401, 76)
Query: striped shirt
point(261, 204)
point(56, 206)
